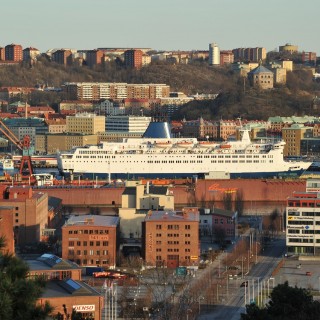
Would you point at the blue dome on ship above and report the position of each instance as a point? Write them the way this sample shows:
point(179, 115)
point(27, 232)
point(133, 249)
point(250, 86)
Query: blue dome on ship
point(158, 130)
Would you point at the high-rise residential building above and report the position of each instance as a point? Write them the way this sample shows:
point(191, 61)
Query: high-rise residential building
point(95, 91)
point(309, 58)
point(250, 54)
point(133, 58)
point(13, 52)
point(214, 54)
point(63, 56)
point(30, 54)
point(94, 57)
point(2, 54)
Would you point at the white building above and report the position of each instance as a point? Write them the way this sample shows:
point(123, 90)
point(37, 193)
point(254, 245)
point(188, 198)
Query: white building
point(303, 220)
point(133, 124)
point(214, 54)
point(107, 107)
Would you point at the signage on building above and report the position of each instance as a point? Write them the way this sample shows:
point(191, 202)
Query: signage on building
point(84, 308)
point(150, 242)
point(98, 237)
point(194, 258)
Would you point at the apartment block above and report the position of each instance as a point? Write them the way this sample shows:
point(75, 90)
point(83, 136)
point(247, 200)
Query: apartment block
point(95, 91)
point(94, 57)
point(226, 57)
point(250, 54)
point(91, 240)
point(13, 52)
point(133, 58)
point(214, 54)
point(30, 54)
point(63, 56)
point(293, 136)
point(170, 239)
point(2, 54)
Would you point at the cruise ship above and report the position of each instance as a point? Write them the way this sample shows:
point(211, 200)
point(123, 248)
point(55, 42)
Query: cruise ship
point(156, 154)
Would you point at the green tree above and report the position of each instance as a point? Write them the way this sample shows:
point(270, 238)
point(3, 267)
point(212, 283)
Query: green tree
point(19, 294)
point(286, 303)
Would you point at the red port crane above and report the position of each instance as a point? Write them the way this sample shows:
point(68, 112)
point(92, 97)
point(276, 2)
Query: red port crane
point(26, 168)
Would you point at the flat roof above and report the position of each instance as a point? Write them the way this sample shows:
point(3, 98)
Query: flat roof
point(92, 220)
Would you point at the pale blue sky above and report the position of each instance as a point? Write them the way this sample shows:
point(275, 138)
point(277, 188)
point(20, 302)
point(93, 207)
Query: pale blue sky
point(160, 25)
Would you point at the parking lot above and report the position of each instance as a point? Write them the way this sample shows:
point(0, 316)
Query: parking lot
point(303, 274)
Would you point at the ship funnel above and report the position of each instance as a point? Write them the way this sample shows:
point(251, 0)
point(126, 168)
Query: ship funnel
point(158, 130)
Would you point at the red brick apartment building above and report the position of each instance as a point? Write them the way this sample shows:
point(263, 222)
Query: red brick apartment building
point(91, 240)
point(30, 212)
point(13, 52)
point(94, 57)
point(170, 239)
point(133, 58)
point(6, 228)
point(62, 57)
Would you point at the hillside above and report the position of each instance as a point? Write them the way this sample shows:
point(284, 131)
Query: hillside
point(236, 98)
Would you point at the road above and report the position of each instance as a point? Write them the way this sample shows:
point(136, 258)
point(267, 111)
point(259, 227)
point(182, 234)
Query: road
point(233, 304)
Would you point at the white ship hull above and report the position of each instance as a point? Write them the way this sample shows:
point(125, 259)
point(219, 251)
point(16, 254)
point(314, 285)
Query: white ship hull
point(180, 158)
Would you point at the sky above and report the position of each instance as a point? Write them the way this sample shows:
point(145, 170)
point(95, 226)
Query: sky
point(160, 25)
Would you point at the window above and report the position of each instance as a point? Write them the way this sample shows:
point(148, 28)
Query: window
point(71, 243)
point(105, 243)
point(187, 227)
point(85, 243)
point(158, 226)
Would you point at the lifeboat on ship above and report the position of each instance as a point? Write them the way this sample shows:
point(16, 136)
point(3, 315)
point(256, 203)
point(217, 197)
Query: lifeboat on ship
point(184, 144)
point(225, 146)
point(164, 144)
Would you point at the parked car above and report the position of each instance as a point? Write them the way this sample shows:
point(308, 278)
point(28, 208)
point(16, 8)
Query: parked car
point(308, 273)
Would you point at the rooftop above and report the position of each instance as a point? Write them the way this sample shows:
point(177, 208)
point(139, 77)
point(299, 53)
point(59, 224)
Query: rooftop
point(93, 220)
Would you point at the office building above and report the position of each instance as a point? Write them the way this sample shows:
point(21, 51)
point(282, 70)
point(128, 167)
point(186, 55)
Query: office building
point(303, 221)
point(127, 123)
point(171, 239)
point(85, 123)
point(91, 240)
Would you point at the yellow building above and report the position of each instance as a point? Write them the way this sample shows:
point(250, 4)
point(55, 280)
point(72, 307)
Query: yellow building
point(293, 136)
point(51, 143)
point(288, 48)
point(261, 77)
point(86, 123)
point(137, 200)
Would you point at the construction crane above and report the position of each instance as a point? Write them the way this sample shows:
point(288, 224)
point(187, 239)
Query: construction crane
point(26, 169)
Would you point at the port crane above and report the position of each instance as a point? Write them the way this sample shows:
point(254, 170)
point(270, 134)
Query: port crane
point(26, 168)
